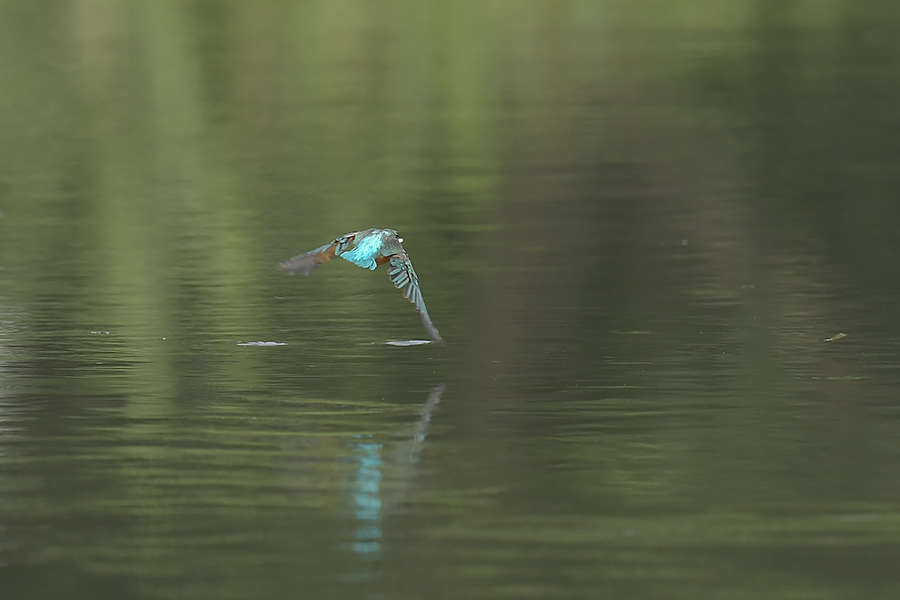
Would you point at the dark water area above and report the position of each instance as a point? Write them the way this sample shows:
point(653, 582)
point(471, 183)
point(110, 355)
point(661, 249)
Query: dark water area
point(660, 241)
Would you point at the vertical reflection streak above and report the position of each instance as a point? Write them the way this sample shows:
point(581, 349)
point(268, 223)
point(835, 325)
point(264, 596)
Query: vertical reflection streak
point(367, 500)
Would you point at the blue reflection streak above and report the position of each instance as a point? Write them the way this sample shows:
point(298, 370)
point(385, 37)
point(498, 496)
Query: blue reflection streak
point(367, 499)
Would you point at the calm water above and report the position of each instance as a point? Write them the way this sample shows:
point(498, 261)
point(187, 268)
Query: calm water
point(661, 242)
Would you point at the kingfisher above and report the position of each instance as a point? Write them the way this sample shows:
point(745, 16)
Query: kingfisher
point(371, 248)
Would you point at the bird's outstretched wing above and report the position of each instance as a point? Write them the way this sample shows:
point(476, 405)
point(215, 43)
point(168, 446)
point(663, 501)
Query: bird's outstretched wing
point(307, 263)
point(404, 277)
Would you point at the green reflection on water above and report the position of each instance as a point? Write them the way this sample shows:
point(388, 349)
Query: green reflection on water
point(636, 224)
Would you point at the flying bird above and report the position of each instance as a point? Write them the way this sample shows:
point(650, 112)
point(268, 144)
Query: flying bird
point(371, 248)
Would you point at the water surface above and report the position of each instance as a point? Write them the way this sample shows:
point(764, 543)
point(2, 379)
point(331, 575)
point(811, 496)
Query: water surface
point(660, 242)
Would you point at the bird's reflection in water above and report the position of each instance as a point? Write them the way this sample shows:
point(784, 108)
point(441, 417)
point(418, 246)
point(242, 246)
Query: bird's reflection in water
point(374, 462)
point(367, 499)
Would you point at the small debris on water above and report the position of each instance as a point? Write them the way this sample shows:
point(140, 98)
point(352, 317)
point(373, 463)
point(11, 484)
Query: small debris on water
point(836, 337)
point(262, 343)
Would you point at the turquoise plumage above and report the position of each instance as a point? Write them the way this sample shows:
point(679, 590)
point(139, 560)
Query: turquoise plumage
point(371, 248)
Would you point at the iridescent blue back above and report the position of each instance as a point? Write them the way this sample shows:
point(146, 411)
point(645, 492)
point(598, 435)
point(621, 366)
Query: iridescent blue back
point(366, 250)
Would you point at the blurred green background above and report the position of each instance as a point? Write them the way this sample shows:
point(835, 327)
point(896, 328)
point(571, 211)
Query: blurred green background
point(636, 224)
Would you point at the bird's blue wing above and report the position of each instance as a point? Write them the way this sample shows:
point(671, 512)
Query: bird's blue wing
point(404, 278)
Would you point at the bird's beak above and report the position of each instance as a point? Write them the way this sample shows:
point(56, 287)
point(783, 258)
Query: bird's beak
point(400, 239)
